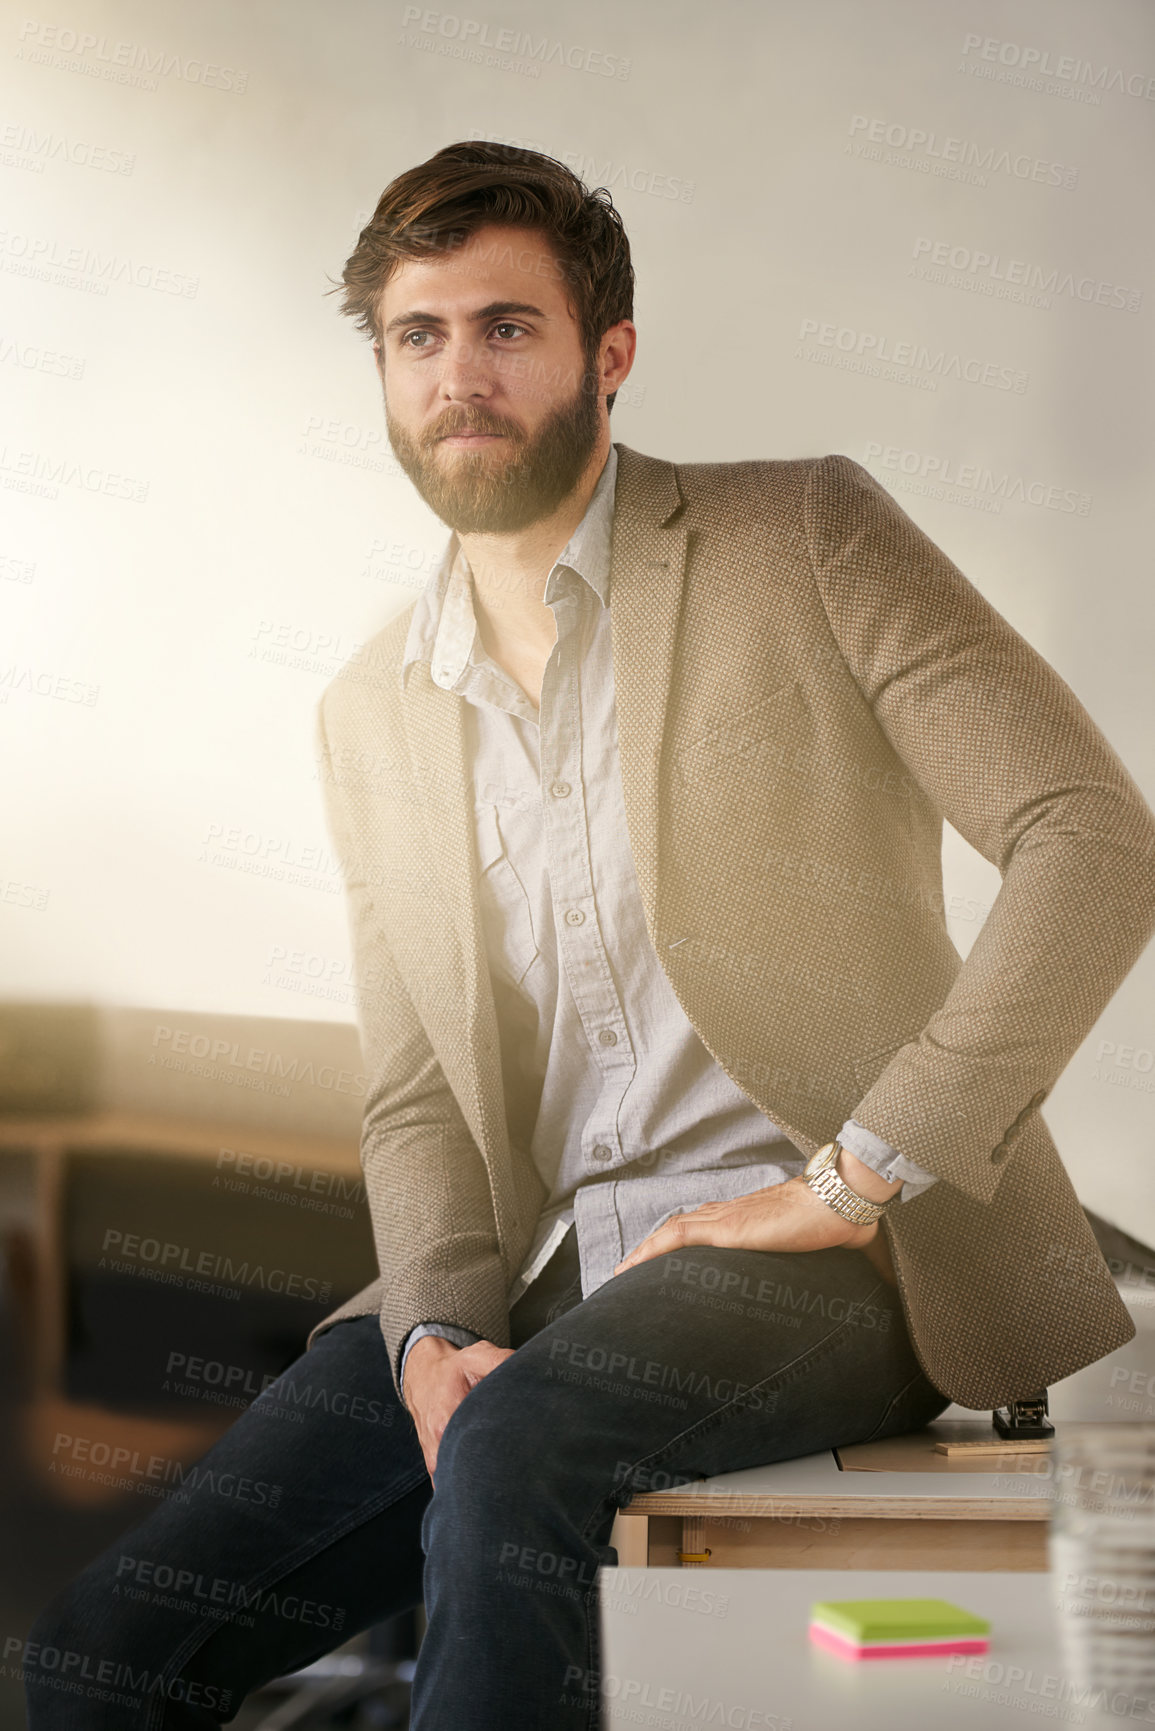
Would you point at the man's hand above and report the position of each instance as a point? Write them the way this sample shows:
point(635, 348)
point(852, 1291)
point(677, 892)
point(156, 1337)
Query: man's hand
point(782, 1217)
point(438, 1376)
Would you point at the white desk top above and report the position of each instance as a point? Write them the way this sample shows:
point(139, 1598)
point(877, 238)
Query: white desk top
point(688, 1647)
point(812, 1482)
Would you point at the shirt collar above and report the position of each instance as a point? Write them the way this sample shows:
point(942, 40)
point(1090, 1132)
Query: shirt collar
point(443, 627)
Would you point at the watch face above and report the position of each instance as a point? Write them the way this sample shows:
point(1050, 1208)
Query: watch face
point(817, 1161)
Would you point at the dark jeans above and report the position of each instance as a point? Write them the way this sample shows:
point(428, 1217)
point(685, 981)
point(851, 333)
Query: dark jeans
point(313, 1517)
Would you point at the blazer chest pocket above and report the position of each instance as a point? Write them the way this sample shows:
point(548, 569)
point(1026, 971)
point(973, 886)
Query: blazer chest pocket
point(765, 740)
point(505, 911)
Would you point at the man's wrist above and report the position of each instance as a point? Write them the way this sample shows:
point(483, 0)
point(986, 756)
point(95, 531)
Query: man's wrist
point(882, 1157)
point(420, 1355)
point(863, 1179)
point(451, 1331)
point(427, 1349)
point(821, 1174)
point(437, 1340)
point(449, 1334)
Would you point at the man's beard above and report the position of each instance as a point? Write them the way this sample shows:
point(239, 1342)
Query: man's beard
point(491, 492)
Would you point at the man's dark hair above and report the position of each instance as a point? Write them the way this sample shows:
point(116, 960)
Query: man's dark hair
point(438, 205)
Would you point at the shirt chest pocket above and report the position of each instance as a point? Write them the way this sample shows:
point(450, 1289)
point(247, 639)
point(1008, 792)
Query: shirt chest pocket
point(505, 909)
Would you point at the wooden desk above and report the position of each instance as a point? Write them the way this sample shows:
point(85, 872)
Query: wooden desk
point(837, 1510)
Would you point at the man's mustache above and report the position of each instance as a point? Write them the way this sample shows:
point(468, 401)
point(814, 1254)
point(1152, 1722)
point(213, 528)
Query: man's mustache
point(447, 429)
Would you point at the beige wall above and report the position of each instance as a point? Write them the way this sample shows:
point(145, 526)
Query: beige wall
point(225, 522)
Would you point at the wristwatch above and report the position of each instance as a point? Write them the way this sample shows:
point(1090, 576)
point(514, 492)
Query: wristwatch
point(821, 1173)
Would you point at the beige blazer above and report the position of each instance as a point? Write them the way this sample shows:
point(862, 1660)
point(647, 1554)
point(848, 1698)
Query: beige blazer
point(805, 687)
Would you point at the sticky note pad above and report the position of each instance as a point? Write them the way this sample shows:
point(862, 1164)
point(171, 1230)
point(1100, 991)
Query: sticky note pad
point(896, 1628)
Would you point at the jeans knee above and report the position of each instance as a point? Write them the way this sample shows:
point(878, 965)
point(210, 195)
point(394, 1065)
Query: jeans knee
point(485, 1471)
point(478, 1448)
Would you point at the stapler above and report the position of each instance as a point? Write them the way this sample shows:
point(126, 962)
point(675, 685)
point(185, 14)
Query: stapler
point(1023, 1420)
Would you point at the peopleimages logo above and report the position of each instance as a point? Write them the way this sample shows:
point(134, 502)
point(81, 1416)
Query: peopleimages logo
point(44, 257)
point(598, 170)
point(473, 34)
point(127, 1251)
point(221, 1593)
point(101, 1679)
point(33, 359)
point(998, 485)
point(121, 62)
point(43, 474)
point(1067, 68)
point(258, 1059)
point(889, 355)
point(18, 141)
point(916, 141)
point(1015, 278)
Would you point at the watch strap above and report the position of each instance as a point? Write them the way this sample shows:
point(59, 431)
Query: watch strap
point(821, 1174)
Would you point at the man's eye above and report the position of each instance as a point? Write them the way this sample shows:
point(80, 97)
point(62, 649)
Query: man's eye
point(506, 326)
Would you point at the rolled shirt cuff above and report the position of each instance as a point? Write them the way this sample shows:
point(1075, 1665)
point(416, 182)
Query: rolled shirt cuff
point(885, 1160)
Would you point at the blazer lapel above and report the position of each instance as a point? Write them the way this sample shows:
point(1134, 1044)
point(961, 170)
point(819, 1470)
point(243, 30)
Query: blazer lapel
point(647, 573)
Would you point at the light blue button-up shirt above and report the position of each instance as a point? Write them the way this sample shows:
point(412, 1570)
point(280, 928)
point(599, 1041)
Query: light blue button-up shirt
point(626, 1114)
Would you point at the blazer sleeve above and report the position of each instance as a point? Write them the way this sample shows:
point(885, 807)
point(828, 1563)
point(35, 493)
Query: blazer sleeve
point(425, 1179)
point(1001, 746)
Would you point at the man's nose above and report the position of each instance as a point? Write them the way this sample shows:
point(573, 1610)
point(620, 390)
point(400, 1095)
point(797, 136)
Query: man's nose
point(465, 374)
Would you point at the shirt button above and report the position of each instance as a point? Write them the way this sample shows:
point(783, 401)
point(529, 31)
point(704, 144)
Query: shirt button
point(601, 1152)
point(574, 917)
point(561, 790)
point(608, 1037)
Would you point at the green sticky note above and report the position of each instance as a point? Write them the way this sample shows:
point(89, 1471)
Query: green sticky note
point(897, 1619)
